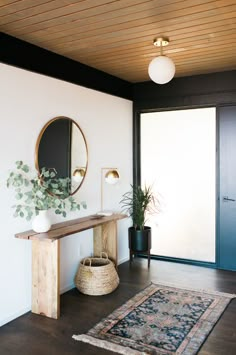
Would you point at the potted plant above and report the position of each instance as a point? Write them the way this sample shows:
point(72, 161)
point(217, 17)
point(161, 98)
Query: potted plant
point(38, 193)
point(138, 203)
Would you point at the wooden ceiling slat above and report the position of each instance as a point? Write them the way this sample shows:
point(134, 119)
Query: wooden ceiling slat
point(190, 70)
point(108, 33)
point(193, 60)
point(145, 45)
point(130, 36)
point(8, 2)
point(63, 10)
point(99, 20)
point(125, 17)
point(146, 40)
point(107, 16)
point(199, 64)
point(123, 67)
point(227, 50)
point(15, 9)
point(197, 56)
point(12, 14)
point(147, 51)
point(88, 8)
point(10, 7)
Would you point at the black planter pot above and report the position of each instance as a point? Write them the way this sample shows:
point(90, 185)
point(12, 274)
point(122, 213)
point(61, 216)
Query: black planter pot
point(140, 240)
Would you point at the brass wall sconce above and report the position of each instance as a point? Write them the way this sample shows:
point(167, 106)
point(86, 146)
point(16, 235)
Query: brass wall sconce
point(78, 174)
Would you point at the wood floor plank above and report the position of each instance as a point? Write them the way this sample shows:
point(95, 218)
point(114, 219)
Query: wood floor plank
point(35, 335)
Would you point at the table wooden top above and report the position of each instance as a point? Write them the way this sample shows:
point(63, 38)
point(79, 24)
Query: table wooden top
point(63, 229)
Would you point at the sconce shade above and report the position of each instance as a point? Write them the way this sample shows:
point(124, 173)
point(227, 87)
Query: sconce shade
point(161, 69)
point(78, 174)
point(112, 177)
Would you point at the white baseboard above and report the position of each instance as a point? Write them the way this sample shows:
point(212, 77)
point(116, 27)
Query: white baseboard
point(14, 316)
point(67, 288)
point(121, 261)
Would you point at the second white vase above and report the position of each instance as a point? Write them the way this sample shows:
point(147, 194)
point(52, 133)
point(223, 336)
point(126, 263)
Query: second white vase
point(41, 223)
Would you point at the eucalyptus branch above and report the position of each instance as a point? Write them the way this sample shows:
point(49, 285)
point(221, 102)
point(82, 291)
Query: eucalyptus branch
point(43, 191)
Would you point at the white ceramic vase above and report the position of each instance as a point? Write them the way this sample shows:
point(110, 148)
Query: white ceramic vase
point(41, 223)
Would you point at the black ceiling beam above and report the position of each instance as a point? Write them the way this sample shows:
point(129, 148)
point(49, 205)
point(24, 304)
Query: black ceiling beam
point(197, 90)
point(21, 54)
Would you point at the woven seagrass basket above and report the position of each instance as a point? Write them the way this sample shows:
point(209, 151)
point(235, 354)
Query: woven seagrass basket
point(97, 278)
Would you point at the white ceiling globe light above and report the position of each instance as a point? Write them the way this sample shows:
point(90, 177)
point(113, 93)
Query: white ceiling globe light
point(161, 69)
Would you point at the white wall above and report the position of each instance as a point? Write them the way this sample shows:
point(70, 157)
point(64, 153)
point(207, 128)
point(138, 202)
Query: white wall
point(28, 101)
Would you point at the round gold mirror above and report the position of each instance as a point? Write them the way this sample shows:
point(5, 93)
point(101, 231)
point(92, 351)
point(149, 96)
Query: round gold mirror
point(61, 145)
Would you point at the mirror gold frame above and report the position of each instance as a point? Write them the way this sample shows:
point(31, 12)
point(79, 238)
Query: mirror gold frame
point(37, 165)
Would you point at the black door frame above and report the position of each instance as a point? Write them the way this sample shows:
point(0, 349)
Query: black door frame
point(137, 175)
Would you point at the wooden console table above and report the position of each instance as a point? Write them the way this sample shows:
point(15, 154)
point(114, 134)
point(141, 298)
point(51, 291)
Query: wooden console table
point(46, 256)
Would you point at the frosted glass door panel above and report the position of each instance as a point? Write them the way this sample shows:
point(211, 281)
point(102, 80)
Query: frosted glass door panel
point(178, 150)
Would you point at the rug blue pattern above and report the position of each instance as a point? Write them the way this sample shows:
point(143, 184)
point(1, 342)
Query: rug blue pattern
point(160, 320)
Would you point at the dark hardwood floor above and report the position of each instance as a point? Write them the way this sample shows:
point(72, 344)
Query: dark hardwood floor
point(37, 335)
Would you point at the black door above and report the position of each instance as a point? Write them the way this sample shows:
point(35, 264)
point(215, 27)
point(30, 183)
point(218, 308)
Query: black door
point(227, 196)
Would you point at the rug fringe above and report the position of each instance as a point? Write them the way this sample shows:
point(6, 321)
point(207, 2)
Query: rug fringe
point(182, 287)
point(107, 345)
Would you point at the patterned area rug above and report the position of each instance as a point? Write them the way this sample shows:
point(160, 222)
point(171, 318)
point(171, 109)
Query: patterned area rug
point(161, 320)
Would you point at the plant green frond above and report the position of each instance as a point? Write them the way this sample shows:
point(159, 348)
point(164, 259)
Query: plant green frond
point(137, 203)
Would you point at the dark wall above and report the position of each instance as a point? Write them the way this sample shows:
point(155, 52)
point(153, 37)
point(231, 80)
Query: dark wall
point(199, 90)
point(186, 92)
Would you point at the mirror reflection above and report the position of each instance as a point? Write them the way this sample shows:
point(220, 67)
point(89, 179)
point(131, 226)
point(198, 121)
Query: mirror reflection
point(61, 145)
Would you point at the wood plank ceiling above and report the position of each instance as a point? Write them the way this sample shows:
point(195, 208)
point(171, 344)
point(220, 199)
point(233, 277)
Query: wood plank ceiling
point(116, 36)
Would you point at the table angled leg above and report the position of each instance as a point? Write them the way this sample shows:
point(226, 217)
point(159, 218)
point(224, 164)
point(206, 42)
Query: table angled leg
point(46, 278)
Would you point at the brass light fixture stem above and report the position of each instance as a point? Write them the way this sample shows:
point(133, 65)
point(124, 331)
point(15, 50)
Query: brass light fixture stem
point(161, 42)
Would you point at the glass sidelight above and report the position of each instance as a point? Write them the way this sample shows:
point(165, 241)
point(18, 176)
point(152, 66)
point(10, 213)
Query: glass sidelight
point(178, 157)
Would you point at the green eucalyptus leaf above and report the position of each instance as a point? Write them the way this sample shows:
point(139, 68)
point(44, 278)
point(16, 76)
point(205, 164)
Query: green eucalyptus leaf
point(25, 168)
point(18, 164)
point(26, 182)
point(19, 196)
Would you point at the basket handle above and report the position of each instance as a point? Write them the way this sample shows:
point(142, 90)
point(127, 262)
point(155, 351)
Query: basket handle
point(103, 253)
point(84, 261)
